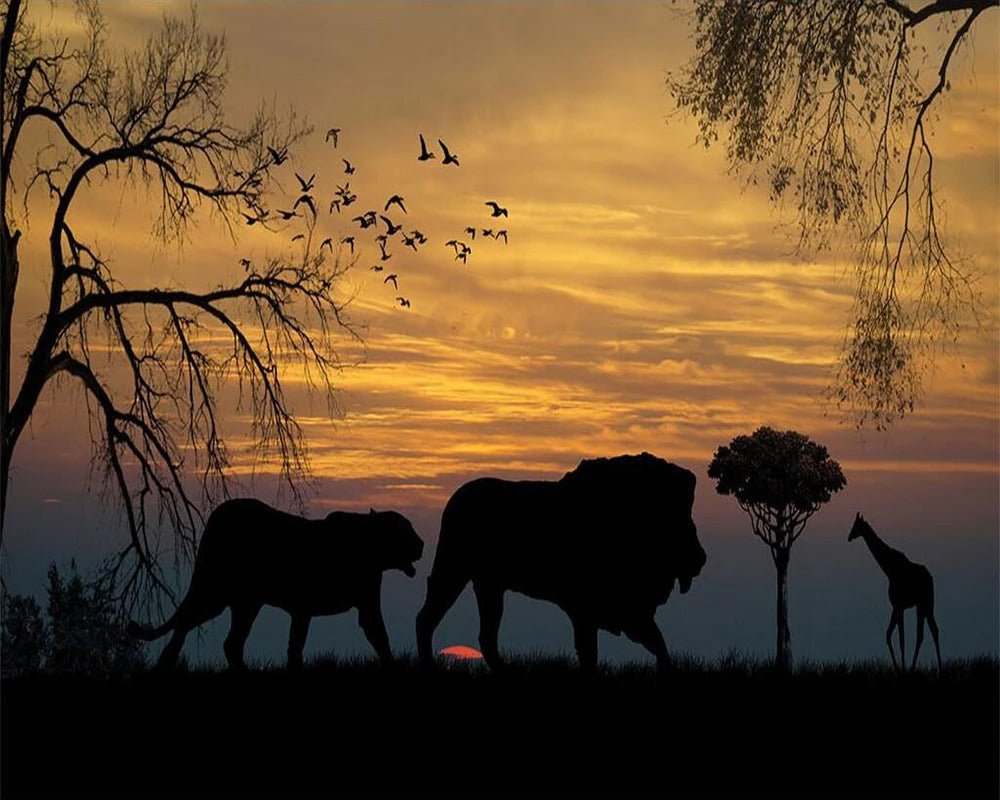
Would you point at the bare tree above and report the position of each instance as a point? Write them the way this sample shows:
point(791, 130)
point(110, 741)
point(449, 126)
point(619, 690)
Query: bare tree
point(154, 118)
point(830, 102)
point(780, 480)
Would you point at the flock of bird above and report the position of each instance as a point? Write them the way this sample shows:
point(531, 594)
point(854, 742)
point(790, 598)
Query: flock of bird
point(388, 231)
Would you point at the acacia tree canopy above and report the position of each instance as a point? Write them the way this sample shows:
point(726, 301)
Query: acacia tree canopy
point(830, 103)
point(151, 360)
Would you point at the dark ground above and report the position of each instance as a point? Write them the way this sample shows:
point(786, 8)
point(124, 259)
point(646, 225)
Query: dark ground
point(730, 729)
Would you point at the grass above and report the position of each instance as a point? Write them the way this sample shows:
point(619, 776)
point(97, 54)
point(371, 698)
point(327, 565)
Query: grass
point(731, 727)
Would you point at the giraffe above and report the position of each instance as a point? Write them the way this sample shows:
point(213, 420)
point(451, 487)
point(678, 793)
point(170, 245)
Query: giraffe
point(909, 585)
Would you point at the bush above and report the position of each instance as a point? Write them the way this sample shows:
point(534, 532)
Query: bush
point(83, 633)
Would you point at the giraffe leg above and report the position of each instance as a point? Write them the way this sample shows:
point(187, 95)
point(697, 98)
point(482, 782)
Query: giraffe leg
point(893, 621)
point(932, 624)
point(902, 641)
point(920, 638)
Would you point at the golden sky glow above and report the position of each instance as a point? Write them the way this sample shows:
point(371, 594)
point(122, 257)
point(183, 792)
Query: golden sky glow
point(644, 300)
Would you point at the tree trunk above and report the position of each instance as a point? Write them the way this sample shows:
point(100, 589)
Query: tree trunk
point(8, 286)
point(783, 647)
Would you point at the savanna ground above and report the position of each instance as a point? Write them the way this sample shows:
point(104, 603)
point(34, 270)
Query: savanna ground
point(730, 728)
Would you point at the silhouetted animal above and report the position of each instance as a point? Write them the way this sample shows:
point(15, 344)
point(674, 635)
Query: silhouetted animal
point(425, 154)
point(287, 215)
point(392, 277)
point(253, 555)
point(348, 167)
point(498, 234)
point(307, 200)
point(471, 232)
point(487, 231)
point(278, 156)
point(333, 133)
point(245, 263)
point(910, 585)
point(448, 157)
point(403, 302)
point(397, 200)
point(327, 242)
point(334, 204)
point(252, 220)
point(376, 268)
point(348, 240)
point(298, 236)
point(497, 210)
point(304, 184)
point(606, 543)
point(390, 226)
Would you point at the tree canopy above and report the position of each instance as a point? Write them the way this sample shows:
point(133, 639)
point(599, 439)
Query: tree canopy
point(831, 104)
point(151, 359)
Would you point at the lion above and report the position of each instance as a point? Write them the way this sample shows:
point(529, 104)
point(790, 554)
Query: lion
point(606, 543)
point(253, 555)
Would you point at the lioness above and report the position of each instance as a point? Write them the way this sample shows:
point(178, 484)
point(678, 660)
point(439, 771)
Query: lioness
point(251, 555)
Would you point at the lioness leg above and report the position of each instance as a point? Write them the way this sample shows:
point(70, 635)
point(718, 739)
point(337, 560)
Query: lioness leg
point(585, 641)
point(242, 617)
point(297, 639)
point(370, 619)
point(647, 633)
point(189, 616)
point(490, 602)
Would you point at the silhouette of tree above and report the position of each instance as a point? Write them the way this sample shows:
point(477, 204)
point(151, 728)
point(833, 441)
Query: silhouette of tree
point(830, 102)
point(23, 635)
point(780, 480)
point(153, 118)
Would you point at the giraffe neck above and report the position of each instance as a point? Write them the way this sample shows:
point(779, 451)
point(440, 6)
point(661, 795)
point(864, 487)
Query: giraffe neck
point(880, 551)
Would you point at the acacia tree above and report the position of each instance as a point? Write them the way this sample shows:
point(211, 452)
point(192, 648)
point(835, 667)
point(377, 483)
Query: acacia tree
point(831, 103)
point(780, 480)
point(148, 358)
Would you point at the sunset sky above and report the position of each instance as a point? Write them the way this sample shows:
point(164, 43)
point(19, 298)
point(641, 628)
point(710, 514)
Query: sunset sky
point(645, 301)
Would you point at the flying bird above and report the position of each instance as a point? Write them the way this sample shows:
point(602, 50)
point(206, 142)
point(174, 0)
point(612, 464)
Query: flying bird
point(385, 256)
point(498, 234)
point(452, 243)
point(471, 232)
point(252, 220)
point(245, 263)
point(487, 231)
point(403, 302)
point(418, 236)
point(410, 241)
point(425, 154)
point(498, 211)
point(333, 133)
point(363, 221)
point(397, 200)
point(298, 236)
point(287, 215)
point(462, 256)
point(348, 240)
point(376, 268)
point(392, 277)
point(390, 226)
point(348, 166)
point(334, 204)
point(307, 200)
point(448, 157)
point(306, 184)
point(327, 242)
point(278, 156)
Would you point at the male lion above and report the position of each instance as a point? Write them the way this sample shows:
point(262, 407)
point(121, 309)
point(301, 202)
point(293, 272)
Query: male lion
point(606, 543)
point(251, 555)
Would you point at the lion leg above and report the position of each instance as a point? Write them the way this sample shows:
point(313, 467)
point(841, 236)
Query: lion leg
point(242, 618)
point(585, 641)
point(490, 602)
point(297, 640)
point(647, 633)
point(370, 619)
point(442, 592)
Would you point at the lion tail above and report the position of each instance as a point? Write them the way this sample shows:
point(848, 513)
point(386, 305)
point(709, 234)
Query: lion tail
point(148, 633)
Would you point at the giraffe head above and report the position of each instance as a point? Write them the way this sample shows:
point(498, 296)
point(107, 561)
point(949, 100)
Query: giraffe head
point(859, 528)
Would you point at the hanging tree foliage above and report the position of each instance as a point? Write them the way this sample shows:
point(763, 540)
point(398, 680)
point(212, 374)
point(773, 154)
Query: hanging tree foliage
point(831, 104)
